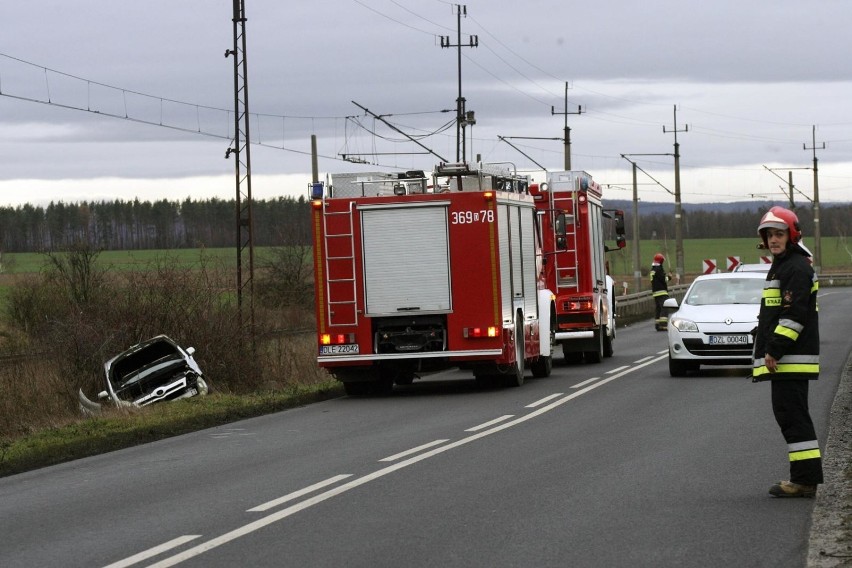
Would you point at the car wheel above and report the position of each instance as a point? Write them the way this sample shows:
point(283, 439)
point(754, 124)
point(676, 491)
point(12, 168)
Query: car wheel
point(678, 368)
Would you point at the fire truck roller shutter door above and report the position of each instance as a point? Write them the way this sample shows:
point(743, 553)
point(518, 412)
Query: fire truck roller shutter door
point(406, 274)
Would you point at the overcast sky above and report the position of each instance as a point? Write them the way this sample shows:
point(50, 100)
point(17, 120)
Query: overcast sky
point(106, 99)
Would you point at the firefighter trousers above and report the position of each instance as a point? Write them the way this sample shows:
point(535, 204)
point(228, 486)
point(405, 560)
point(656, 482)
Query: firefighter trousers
point(790, 406)
point(658, 308)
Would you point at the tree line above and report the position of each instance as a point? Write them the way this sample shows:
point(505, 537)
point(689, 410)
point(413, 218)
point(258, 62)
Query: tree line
point(212, 223)
point(703, 222)
point(145, 225)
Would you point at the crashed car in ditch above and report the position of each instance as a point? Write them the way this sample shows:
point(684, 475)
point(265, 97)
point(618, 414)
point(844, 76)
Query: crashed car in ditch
point(152, 371)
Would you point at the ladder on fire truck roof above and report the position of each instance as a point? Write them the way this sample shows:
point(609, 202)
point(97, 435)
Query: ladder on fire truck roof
point(567, 262)
point(343, 266)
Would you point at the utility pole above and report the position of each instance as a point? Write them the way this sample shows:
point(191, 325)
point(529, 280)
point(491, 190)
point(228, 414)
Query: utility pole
point(817, 255)
point(790, 188)
point(461, 114)
point(567, 131)
point(637, 262)
point(242, 153)
point(678, 209)
point(637, 259)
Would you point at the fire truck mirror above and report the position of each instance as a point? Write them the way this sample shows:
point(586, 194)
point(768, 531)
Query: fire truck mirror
point(620, 241)
point(561, 243)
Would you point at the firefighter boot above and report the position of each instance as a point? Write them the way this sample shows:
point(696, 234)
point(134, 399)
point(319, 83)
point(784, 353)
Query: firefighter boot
point(790, 489)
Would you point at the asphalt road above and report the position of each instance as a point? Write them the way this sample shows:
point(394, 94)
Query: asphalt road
point(614, 464)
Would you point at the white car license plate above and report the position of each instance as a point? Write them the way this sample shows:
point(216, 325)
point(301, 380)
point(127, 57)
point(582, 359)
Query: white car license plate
point(349, 348)
point(743, 339)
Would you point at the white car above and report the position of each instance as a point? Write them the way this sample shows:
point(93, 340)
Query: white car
point(713, 325)
point(758, 267)
point(152, 371)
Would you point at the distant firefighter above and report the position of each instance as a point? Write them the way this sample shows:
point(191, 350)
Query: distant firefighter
point(659, 290)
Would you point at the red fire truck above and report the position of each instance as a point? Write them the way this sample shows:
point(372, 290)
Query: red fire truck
point(574, 224)
point(413, 276)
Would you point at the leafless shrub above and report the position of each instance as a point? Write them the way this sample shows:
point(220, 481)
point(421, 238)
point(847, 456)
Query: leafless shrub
point(82, 317)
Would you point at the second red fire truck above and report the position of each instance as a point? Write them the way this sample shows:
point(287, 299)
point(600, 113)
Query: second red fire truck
point(574, 225)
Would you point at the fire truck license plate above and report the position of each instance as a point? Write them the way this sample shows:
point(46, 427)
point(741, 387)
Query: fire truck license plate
point(729, 339)
point(339, 349)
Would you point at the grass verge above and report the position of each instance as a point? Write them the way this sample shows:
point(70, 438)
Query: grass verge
point(118, 428)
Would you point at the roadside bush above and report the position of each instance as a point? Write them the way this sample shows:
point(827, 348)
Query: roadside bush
point(78, 317)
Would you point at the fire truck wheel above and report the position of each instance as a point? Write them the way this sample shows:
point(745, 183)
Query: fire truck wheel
point(607, 344)
point(596, 355)
point(542, 366)
point(357, 388)
point(515, 377)
point(571, 357)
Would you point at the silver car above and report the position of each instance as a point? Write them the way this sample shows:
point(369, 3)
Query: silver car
point(713, 325)
point(152, 371)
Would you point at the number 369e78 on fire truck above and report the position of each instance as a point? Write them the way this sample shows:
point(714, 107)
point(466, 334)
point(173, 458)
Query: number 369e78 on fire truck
point(414, 275)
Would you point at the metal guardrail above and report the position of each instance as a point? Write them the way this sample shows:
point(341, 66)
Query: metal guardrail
point(640, 305)
point(839, 279)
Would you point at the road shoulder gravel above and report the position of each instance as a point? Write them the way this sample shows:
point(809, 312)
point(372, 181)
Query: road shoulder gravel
point(830, 543)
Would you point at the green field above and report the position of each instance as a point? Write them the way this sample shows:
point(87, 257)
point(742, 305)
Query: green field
point(836, 256)
point(29, 262)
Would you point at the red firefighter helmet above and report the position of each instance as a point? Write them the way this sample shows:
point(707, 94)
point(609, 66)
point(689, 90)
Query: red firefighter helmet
point(780, 218)
point(659, 258)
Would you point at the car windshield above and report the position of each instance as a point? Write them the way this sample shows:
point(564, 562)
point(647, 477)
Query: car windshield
point(725, 291)
point(152, 370)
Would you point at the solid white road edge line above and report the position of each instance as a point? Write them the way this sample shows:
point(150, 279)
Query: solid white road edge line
point(299, 493)
point(146, 554)
point(412, 451)
point(293, 509)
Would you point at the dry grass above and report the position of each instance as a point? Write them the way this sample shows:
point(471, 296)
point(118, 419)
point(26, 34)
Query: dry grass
point(72, 317)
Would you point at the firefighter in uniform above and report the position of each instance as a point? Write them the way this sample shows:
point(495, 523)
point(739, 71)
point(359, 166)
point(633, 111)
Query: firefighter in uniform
point(659, 290)
point(786, 348)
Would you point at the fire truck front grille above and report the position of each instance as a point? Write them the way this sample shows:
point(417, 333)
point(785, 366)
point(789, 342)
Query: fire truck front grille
point(410, 335)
